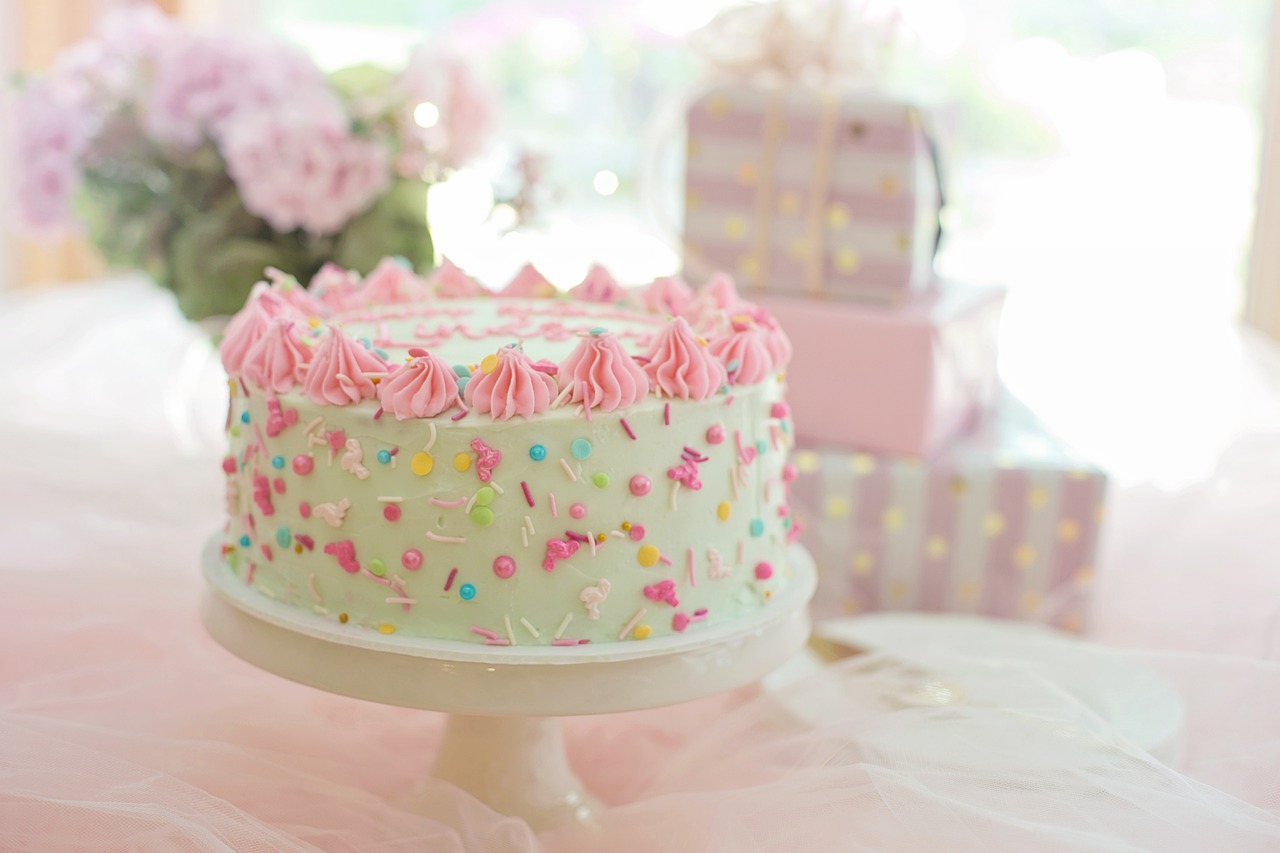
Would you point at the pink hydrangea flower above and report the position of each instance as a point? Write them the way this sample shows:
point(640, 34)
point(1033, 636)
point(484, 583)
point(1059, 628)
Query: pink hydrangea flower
point(299, 166)
point(52, 136)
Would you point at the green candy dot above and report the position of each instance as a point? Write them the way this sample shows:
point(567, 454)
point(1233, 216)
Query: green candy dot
point(482, 516)
point(377, 567)
point(600, 478)
point(485, 496)
point(235, 430)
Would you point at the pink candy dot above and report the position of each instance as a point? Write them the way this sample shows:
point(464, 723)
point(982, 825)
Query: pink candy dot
point(304, 509)
point(278, 485)
point(679, 622)
point(715, 434)
point(789, 472)
point(577, 510)
point(504, 566)
point(778, 410)
point(229, 464)
point(640, 485)
point(764, 571)
point(391, 512)
point(637, 532)
point(411, 559)
point(302, 465)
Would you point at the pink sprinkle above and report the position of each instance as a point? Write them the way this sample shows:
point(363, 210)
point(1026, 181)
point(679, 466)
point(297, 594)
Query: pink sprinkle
point(666, 414)
point(337, 439)
point(528, 496)
point(305, 540)
point(459, 416)
point(248, 576)
point(440, 502)
point(692, 575)
point(278, 485)
point(626, 426)
point(244, 388)
point(453, 573)
point(394, 451)
point(266, 551)
point(664, 559)
point(483, 632)
point(501, 642)
point(576, 537)
point(377, 416)
point(566, 641)
point(700, 613)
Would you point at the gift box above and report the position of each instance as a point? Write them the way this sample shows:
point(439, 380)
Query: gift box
point(1004, 523)
point(905, 379)
point(811, 190)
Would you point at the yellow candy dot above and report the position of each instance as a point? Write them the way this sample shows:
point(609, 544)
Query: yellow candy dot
point(724, 511)
point(314, 322)
point(642, 632)
point(648, 555)
point(489, 363)
point(462, 461)
point(422, 463)
point(386, 628)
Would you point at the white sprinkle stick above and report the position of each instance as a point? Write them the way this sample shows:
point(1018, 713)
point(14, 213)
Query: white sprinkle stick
point(436, 537)
point(426, 448)
point(739, 552)
point(400, 600)
point(618, 533)
point(733, 481)
point(440, 502)
point(315, 422)
point(524, 536)
point(675, 490)
point(591, 540)
point(311, 585)
point(496, 487)
point(529, 521)
point(471, 503)
point(564, 623)
point(551, 499)
point(568, 470)
point(529, 627)
point(511, 635)
point(632, 623)
point(390, 499)
point(693, 581)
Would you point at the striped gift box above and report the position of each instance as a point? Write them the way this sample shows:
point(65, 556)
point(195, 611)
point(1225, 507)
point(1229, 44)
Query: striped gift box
point(810, 190)
point(1005, 524)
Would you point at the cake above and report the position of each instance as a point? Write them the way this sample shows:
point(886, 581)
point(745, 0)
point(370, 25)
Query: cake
point(429, 459)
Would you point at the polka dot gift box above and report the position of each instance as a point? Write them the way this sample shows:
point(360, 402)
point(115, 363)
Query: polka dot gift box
point(1003, 523)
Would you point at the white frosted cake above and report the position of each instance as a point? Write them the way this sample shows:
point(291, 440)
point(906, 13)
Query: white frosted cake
point(428, 459)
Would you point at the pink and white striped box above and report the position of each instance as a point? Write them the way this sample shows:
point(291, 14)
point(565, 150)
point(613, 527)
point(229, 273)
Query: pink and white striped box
point(1005, 524)
point(809, 190)
point(901, 379)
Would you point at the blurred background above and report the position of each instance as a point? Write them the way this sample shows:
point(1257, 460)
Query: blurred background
point(1102, 160)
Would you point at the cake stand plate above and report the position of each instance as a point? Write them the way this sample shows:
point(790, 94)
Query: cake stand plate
point(502, 742)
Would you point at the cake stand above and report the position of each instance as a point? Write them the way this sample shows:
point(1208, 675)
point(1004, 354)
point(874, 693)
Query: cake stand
point(502, 740)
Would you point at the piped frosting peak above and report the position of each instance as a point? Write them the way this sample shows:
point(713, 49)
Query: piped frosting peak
point(682, 365)
point(393, 282)
point(249, 325)
point(668, 295)
point(743, 353)
point(279, 359)
point(450, 282)
point(600, 374)
point(291, 291)
point(342, 371)
point(513, 387)
point(528, 284)
point(598, 286)
point(422, 388)
point(708, 312)
point(336, 287)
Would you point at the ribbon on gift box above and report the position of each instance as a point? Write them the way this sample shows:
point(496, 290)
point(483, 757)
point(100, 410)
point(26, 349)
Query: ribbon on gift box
point(830, 45)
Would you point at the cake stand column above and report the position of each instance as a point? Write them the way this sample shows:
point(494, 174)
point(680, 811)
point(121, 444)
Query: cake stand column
point(516, 766)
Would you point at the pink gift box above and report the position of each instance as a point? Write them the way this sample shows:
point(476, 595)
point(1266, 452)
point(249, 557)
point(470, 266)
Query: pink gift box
point(1004, 523)
point(901, 379)
point(811, 190)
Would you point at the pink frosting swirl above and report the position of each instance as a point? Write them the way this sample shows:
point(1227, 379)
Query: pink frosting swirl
point(392, 282)
point(450, 282)
point(667, 295)
point(598, 286)
point(775, 339)
point(339, 370)
point(279, 360)
point(287, 288)
point(681, 365)
point(336, 287)
point(515, 387)
point(423, 388)
point(600, 374)
point(528, 284)
point(743, 353)
point(710, 310)
point(250, 324)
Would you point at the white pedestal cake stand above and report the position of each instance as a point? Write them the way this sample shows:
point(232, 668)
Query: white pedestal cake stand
point(502, 742)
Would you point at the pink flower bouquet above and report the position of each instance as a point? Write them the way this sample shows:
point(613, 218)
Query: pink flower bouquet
point(202, 158)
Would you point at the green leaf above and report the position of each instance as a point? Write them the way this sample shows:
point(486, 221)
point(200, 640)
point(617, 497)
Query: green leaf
point(395, 225)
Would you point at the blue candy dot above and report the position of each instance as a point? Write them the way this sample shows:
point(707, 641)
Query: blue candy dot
point(382, 354)
point(786, 427)
point(580, 448)
point(786, 523)
point(462, 384)
point(283, 537)
point(757, 527)
point(467, 591)
point(461, 370)
point(244, 416)
point(732, 365)
point(597, 330)
point(368, 344)
point(277, 462)
point(761, 447)
point(384, 456)
point(537, 453)
point(244, 541)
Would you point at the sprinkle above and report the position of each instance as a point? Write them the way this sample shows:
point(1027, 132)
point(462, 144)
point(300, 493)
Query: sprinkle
point(564, 623)
point(527, 495)
point(499, 642)
point(390, 499)
point(689, 559)
point(377, 416)
point(739, 551)
point(733, 481)
point(529, 521)
point(459, 416)
point(675, 490)
point(591, 538)
point(631, 624)
point(471, 503)
point(664, 559)
point(618, 533)
point(511, 635)
point(551, 497)
point(569, 642)
point(442, 502)
point(576, 537)
point(699, 615)
point(626, 426)
point(529, 627)
point(311, 585)
point(483, 632)
point(248, 577)
point(386, 628)
point(455, 540)
point(666, 421)
point(453, 573)
point(315, 422)
point(493, 484)
point(432, 440)
point(400, 600)
point(524, 536)
point(568, 470)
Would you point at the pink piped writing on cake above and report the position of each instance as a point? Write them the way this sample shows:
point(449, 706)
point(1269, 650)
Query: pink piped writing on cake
point(262, 494)
point(663, 591)
point(278, 418)
point(558, 549)
point(487, 459)
point(345, 553)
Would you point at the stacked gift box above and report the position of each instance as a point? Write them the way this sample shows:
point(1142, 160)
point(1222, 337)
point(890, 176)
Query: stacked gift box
point(921, 487)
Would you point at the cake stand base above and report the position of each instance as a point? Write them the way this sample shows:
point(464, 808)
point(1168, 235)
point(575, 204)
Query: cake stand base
point(502, 742)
